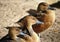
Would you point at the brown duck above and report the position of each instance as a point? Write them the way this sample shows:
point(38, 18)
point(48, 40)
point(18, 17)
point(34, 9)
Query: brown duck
point(45, 14)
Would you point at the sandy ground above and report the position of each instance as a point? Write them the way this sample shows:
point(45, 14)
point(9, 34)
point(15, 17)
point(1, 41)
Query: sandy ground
point(13, 10)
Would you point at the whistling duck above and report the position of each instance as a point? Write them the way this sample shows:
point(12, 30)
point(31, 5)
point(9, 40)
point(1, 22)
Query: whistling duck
point(28, 21)
point(45, 14)
point(12, 35)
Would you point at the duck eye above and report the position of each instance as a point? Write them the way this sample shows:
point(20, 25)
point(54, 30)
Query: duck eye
point(17, 29)
point(34, 19)
point(45, 4)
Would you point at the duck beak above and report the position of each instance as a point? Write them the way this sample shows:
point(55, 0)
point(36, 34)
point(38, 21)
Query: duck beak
point(52, 8)
point(39, 22)
point(21, 33)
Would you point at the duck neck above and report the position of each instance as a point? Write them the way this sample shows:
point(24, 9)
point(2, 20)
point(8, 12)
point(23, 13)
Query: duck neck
point(29, 27)
point(12, 36)
point(32, 33)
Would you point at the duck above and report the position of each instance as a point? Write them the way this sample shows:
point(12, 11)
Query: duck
point(12, 35)
point(28, 21)
point(46, 14)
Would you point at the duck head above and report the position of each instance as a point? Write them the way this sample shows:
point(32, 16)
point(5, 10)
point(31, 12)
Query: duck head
point(43, 6)
point(13, 32)
point(31, 20)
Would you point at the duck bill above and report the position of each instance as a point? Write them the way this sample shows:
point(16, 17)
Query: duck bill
point(21, 33)
point(39, 22)
point(52, 8)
